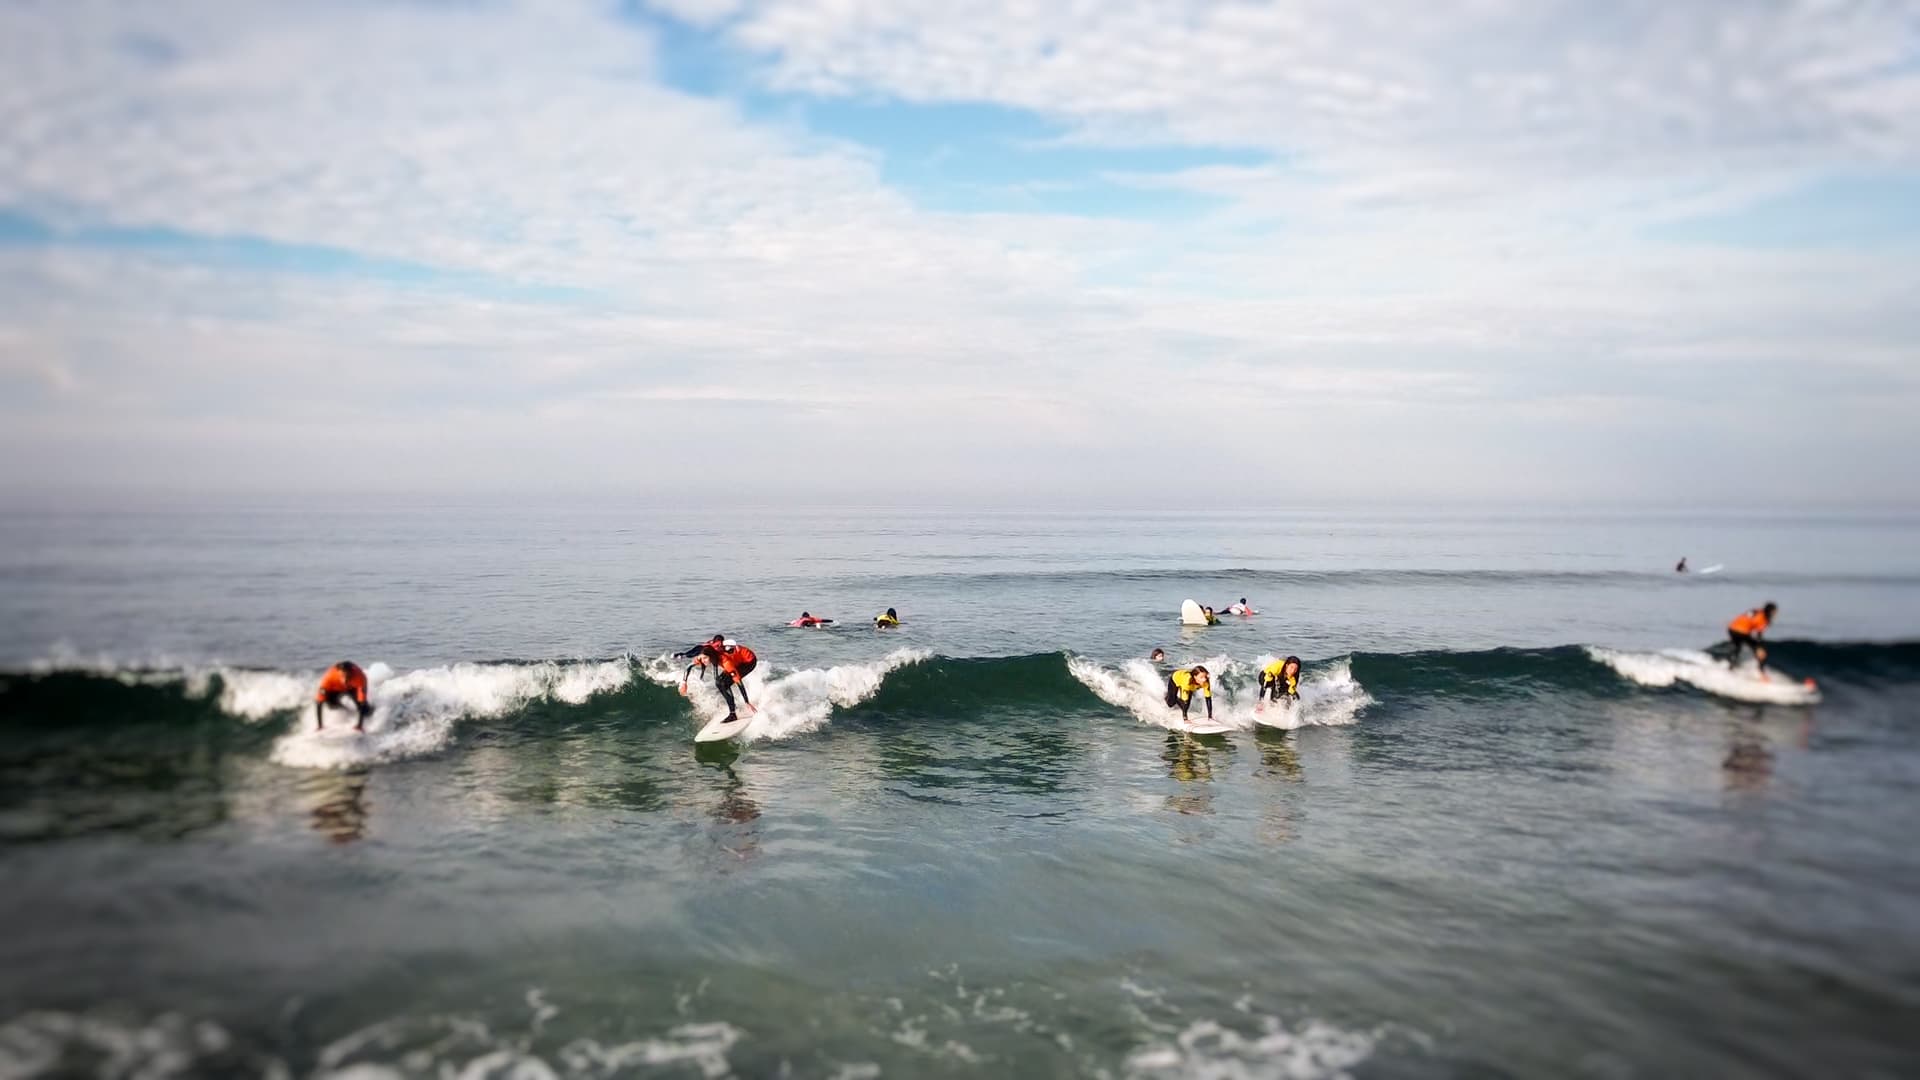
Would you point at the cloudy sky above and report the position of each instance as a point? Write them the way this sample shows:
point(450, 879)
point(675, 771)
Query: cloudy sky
point(1289, 250)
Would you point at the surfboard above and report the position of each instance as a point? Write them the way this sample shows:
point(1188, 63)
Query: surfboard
point(1714, 569)
point(721, 729)
point(1204, 727)
point(1275, 716)
point(1191, 614)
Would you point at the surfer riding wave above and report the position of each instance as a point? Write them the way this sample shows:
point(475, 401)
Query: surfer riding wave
point(732, 663)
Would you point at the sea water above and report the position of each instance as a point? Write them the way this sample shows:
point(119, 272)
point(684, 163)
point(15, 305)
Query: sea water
point(1520, 822)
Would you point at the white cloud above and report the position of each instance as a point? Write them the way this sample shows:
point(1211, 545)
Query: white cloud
point(1446, 263)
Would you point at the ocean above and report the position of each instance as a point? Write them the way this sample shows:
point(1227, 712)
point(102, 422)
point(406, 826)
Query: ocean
point(1519, 824)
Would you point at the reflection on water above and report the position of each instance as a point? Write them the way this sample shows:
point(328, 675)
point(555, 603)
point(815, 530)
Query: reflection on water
point(1278, 754)
point(1279, 760)
point(736, 806)
point(1190, 762)
point(340, 805)
point(1749, 764)
point(1752, 739)
point(1187, 760)
point(734, 810)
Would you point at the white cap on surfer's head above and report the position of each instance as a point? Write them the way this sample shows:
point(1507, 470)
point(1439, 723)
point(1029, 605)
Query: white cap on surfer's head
point(728, 643)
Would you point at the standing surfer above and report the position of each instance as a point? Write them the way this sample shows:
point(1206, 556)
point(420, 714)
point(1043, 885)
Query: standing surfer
point(1181, 686)
point(344, 679)
point(732, 663)
point(1682, 567)
point(1745, 631)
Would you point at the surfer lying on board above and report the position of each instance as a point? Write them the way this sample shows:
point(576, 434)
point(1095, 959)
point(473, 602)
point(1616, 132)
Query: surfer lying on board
point(1241, 608)
point(809, 620)
point(1282, 677)
point(1745, 631)
point(731, 661)
point(341, 680)
point(886, 619)
point(1181, 685)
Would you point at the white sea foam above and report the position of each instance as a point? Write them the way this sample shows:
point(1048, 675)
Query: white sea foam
point(414, 713)
point(52, 1044)
point(1704, 672)
point(793, 703)
point(1329, 694)
point(1205, 1048)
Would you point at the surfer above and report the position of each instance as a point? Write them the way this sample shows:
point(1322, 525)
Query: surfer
point(341, 680)
point(1157, 656)
point(1745, 631)
point(1682, 568)
point(1282, 677)
point(1211, 617)
point(886, 619)
point(1181, 686)
point(733, 662)
point(809, 620)
point(1241, 608)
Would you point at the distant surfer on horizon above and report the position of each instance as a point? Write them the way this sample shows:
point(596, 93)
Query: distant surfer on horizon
point(342, 680)
point(1241, 608)
point(732, 663)
point(1745, 631)
point(1280, 678)
point(809, 620)
point(1181, 686)
point(887, 619)
point(1682, 568)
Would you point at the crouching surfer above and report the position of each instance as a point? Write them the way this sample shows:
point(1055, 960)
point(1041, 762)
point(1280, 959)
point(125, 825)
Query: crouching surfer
point(342, 680)
point(1280, 679)
point(1745, 632)
point(732, 663)
point(1181, 686)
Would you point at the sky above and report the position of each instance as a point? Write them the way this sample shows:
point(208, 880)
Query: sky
point(1173, 253)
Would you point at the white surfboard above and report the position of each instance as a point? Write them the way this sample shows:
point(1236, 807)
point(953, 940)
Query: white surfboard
point(1191, 614)
point(723, 729)
point(1204, 727)
point(1275, 715)
point(1714, 569)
